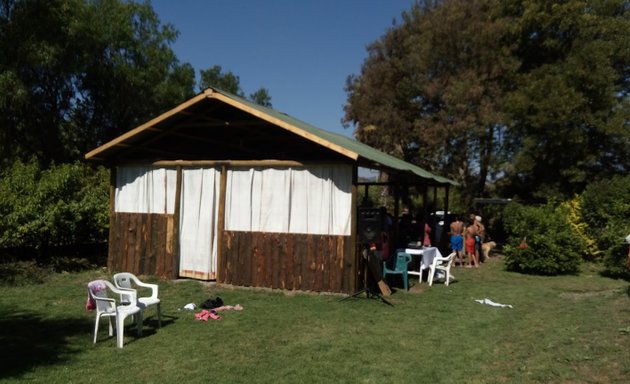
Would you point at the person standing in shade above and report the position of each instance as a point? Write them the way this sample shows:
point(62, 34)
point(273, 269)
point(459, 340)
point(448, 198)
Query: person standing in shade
point(426, 241)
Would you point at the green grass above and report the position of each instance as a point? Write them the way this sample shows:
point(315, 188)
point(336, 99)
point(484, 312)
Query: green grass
point(570, 329)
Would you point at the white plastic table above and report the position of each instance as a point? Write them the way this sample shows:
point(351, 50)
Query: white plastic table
point(425, 260)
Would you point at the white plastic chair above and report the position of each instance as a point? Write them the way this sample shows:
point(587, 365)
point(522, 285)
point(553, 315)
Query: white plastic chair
point(107, 307)
point(428, 255)
point(128, 282)
point(441, 264)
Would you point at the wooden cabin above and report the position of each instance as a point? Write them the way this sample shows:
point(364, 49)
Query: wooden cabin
point(220, 188)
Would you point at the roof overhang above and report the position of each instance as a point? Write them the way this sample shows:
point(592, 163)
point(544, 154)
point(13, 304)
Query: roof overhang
point(215, 125)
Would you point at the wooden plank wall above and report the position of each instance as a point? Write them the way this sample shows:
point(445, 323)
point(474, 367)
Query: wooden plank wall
point(320, 263)
point(141, 243)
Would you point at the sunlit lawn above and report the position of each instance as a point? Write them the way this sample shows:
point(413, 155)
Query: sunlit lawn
point(571, 329)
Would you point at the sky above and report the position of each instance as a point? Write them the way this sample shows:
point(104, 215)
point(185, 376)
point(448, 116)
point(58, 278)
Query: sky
point(301, 51)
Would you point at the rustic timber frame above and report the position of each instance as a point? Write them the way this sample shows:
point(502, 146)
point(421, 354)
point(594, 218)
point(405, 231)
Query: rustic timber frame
point(216, 130)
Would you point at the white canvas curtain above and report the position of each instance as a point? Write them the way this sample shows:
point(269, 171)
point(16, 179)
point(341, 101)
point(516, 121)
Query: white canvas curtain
point(145, 190)
point(198, 223)
point(313, 200)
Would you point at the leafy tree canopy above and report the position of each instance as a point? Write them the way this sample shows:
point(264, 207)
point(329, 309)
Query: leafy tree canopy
point(521, 98)
point(77, 73)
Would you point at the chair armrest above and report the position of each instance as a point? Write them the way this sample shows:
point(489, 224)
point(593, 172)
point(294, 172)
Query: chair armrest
point(132, 293)
point(154, 288)
point(106, 299)
point(440, 260)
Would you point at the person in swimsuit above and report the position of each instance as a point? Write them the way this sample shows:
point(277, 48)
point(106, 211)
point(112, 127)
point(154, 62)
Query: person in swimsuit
point(473, 256)
point(457, 240)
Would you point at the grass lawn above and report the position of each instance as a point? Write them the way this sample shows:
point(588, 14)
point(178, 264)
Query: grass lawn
point(569, 329)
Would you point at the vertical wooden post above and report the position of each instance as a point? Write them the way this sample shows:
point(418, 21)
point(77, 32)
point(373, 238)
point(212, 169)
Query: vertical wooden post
point(396, 220)
point(112, 212)
point(365, 194)
point(176, 213)
point(425, 199)
point(445, 237)
point(446, 190)
point(221, 220)
point(353, 275)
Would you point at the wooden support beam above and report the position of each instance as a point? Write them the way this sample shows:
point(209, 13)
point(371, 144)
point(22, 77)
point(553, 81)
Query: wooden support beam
point(176, 234)
point(221, 221)
point(353, 277)
point(233, 163)
point(120, 139)
point(112, 210)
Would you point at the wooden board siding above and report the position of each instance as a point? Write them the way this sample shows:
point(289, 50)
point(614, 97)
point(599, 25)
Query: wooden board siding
point(302, 262)
point(141, 243)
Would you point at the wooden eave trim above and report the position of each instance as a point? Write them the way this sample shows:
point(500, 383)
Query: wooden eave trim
point(289, 127)
point(146, 126)
point(233, 163)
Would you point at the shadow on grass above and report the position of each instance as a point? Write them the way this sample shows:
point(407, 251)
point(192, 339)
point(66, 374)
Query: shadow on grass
point(28, 340)
point(150, 327)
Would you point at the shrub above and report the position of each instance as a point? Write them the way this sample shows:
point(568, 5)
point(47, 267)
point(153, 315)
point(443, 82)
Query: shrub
point(574, 216)
point(615, 261)
point(63, 205)
point(552, 246)
point(606, 211)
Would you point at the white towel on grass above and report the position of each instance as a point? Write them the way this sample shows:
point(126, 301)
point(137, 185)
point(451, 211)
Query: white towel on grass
point(492, 303)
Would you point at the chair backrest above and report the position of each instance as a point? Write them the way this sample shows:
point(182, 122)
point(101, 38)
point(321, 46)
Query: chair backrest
point(125, 280)
point(402, 259)
point(97, 289)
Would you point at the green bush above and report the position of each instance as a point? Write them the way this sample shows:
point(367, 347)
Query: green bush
point(606, 211)
point(552, 247)
point(63, 205)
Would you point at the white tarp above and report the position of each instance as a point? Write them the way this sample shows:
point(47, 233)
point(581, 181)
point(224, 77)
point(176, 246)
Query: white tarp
point(145, 190)
point(311, 200)
point(198, 222)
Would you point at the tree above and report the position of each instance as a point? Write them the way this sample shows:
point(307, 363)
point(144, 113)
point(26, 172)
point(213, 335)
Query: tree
point(527, 97)
point(76, 73)
point(430, 91)
point(261, 97)
point(569, 109)
point(229, 82)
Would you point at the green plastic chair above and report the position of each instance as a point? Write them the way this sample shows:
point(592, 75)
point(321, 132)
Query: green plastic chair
point(400, 268)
